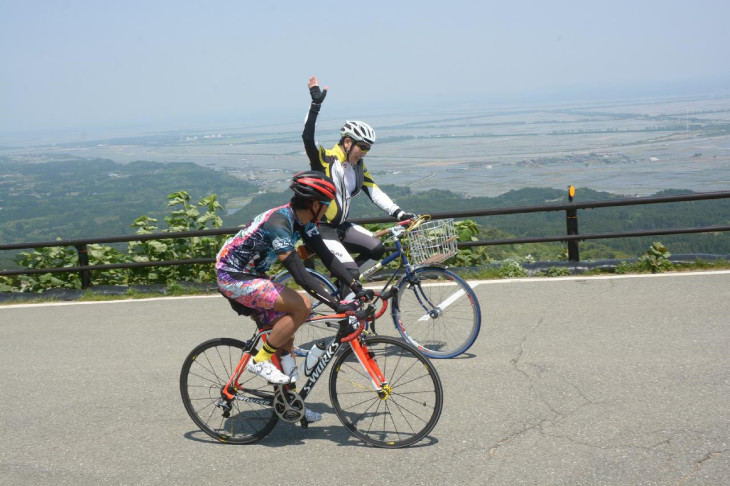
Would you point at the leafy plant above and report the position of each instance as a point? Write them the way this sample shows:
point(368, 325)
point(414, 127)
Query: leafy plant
point(511, 269)
point(106, 255)
point(469, 230)
point(50, 257)
point(7, 284)
point(186, 217)
point(656, 258)
point(554, 272)
point(65, 256)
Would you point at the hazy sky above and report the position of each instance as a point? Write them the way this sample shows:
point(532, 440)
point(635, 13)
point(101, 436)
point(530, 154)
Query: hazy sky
point(96, 63)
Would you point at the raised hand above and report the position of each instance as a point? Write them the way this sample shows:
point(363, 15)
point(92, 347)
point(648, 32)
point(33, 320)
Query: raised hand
point(315, 92)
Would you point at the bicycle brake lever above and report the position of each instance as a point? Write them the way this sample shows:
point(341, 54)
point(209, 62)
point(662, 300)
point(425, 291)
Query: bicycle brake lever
point(388, 293)
point(398, 230)
point(365, 312)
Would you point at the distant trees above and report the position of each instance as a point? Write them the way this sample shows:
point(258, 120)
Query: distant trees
point(79, 198)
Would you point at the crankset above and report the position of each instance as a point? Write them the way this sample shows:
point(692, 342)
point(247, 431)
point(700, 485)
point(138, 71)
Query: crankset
point(288, 405)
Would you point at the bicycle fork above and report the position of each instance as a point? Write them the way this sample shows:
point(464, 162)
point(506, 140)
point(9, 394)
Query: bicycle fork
point(367, 360)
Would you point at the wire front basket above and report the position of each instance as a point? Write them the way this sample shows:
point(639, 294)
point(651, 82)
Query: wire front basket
point(432, 242)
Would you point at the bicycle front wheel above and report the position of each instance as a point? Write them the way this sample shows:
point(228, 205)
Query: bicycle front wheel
point(437, 312)
point(207, 369)
point(311, 332)
point(411, 402)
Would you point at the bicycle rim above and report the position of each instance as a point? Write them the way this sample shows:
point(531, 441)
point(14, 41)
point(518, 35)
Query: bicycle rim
point(205, 371)
point(412, 407)
point(311, 332)
point(437, 312)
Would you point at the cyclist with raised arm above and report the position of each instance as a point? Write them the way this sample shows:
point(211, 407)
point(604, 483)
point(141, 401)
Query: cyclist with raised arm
point(245, 258)
point(345, 165)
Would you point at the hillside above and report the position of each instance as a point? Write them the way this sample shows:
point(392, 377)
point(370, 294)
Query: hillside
point(83, 198)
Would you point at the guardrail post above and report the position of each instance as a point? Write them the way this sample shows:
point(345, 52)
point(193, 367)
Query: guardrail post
point(84, 262)
point(571, 219)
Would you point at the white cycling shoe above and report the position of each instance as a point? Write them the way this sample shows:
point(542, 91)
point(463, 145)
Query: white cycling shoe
point(312, 416)
point(268, 371)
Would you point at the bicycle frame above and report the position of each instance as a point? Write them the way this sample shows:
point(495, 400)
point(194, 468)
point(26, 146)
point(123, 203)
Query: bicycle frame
point(361, 351)
point(396, 232)
point(378, 380)
point(423, 303)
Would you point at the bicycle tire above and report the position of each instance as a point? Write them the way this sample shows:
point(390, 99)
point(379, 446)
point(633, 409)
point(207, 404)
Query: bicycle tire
point(407, 414)
point(437, 312)
point(311, 332)
point(205, 371)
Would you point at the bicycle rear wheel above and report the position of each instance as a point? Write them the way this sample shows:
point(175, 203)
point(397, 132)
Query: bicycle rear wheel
point(311, 332)
point(206, 370)
point(410, 409)
point(437, 312)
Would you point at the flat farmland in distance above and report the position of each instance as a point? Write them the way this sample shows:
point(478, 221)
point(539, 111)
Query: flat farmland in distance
point(624, 147)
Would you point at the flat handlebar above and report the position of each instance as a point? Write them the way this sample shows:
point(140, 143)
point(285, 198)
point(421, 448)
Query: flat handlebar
point(411, 223)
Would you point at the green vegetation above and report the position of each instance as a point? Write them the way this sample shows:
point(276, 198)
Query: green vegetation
point(185, 217)
point(655, 260)
point(96, 198)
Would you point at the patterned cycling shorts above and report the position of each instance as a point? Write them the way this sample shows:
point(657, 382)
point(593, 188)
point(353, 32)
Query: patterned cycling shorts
point(258, 294)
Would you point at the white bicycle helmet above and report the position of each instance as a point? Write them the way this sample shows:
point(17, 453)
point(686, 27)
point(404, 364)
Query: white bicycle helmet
point(358, 131)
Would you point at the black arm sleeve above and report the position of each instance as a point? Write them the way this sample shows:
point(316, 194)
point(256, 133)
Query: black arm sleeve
point(310, 146)
point(295, 266)
point(330, 261)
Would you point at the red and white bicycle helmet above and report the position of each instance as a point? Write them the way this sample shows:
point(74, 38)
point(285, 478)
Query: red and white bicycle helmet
point(358, 131)
point(313, 185)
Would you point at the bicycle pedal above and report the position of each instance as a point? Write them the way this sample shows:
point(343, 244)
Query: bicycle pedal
point(304, 423)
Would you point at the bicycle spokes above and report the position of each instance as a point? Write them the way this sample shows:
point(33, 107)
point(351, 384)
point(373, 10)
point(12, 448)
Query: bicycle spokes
point(407, 403)
point(438, 312)
point(422, 298)
point(226, 404)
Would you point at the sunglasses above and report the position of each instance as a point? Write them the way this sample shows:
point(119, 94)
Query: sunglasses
point(364, 147)
point(325, 203)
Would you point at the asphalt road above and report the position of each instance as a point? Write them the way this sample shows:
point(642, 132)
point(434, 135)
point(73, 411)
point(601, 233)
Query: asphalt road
point(598, 380)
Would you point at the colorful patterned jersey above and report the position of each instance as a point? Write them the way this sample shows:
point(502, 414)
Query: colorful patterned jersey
point(254, 249)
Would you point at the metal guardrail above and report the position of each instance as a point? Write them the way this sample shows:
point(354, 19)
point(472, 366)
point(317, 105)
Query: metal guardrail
point(572, 238)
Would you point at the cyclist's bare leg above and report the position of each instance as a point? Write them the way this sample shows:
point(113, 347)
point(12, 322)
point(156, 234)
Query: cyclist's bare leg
point(292, 309)
point(296, 307)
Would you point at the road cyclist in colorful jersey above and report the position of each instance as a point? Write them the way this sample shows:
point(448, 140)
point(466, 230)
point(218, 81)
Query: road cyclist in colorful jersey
point(431, 307)
point(245, 258)
point(382, 389)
